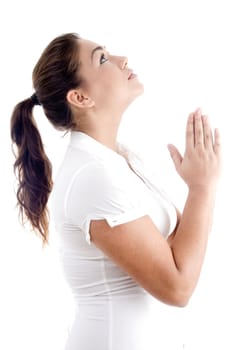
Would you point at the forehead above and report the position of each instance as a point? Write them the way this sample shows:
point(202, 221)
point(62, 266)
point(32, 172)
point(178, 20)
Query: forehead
point(86, 47)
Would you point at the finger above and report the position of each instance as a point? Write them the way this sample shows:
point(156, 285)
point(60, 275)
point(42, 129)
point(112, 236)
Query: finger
point(217, 141)
point(207, 132)
point(190, 132)
point(175, 155)
point(198, 129)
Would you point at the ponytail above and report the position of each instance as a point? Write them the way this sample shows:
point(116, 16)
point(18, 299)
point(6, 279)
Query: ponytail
point(55, 73)
point(32, 168)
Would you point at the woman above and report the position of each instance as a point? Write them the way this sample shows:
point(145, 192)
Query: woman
point(123, 242)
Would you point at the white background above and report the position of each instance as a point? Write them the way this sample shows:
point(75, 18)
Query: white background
point(182, 52)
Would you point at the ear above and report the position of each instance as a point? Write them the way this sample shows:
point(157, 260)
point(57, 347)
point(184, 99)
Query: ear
point(78, 98)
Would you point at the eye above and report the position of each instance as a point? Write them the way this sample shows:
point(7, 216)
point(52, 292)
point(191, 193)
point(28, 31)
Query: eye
point(103, 58)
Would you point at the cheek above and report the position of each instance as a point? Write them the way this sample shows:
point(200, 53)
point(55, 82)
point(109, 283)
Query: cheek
point(112, 85)
point(109, 86)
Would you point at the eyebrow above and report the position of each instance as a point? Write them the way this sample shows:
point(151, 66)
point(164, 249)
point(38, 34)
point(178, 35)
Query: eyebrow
point(96, 49)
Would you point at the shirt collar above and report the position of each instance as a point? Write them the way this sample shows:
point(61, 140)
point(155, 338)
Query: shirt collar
point(87, 143)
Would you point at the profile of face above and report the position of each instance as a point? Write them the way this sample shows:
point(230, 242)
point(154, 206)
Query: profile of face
point(106, 78)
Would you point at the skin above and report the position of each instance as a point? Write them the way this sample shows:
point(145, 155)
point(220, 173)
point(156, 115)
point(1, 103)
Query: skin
point(168, 269)
point(100, 101)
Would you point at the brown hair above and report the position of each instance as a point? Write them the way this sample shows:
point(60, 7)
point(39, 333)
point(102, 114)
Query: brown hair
point(54, 75)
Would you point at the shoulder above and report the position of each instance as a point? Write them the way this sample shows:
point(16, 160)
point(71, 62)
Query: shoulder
point(102, 177)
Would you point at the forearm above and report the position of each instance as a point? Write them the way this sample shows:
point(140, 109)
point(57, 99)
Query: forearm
point(190, 241)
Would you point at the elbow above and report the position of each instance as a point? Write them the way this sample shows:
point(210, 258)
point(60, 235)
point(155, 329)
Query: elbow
point(175, 292)
point(181, 296)
point(178, 297)
point(181, 301)
point(173, 297)
point(181, 290)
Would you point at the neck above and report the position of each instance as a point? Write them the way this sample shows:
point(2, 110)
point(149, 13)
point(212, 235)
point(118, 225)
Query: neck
point(108, 139)
point(102, 129)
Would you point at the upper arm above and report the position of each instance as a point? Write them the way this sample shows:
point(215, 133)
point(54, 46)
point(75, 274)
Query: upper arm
point(139, 249)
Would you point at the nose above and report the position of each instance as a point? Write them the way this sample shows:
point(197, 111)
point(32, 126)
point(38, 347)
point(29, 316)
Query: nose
point(124, 62)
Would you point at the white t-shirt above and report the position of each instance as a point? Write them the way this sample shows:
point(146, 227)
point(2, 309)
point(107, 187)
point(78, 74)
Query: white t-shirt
point(94, 183)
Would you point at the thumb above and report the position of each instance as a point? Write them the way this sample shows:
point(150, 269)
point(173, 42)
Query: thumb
point(175, 155)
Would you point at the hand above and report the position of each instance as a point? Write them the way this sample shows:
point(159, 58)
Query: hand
point(200, 166)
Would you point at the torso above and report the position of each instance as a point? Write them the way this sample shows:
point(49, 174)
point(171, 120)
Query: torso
point(112, 310)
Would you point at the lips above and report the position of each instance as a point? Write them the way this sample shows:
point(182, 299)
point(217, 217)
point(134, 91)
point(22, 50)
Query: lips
point(131, 75)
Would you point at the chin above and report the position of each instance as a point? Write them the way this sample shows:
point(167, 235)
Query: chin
point(141, 89)
point(134, 97)
point(138, 91)
point(133, 94)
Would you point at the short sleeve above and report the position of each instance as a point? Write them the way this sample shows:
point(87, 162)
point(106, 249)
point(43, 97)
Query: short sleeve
point(102, 192)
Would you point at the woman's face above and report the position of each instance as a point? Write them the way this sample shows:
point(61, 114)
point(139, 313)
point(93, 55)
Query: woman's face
point(106, 78)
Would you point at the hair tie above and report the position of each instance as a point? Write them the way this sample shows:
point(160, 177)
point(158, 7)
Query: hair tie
point(35, 100)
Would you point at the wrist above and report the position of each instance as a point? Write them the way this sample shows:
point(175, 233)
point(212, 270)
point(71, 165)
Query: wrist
point(203, 190)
